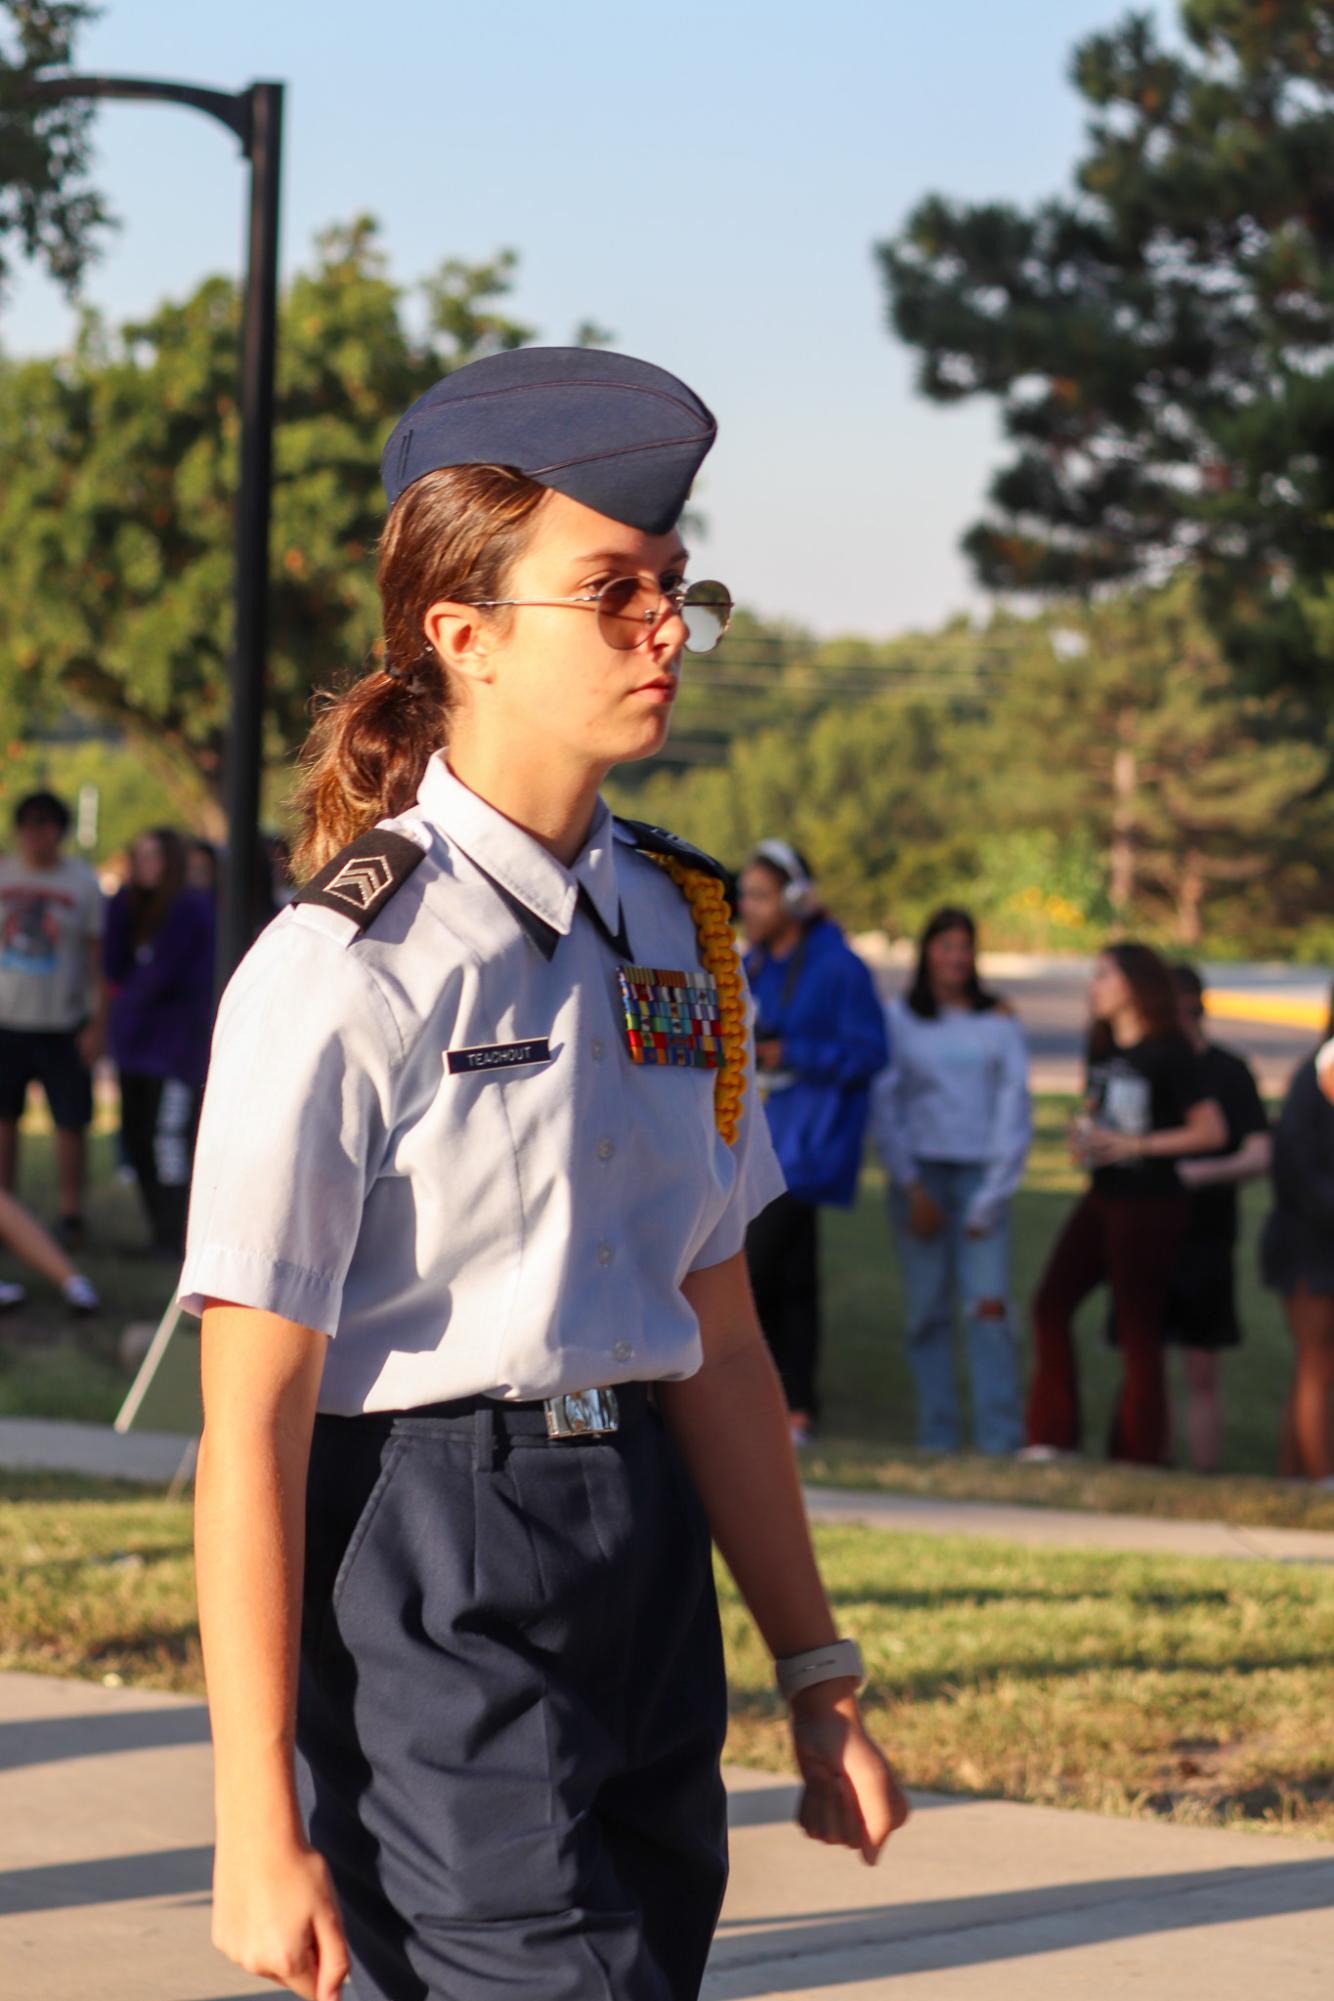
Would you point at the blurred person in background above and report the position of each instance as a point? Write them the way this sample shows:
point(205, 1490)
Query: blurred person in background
point(1201, 1314)
point(159, 966)
point(952, 1122)
point(23, 1236)
point(52, 1001)
point(819, 1040)
point(1297, 1260)
point(1145, 1107)
point(201, 865)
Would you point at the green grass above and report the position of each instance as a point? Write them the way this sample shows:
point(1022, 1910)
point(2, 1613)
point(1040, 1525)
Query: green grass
point(96, 1580)
point(1191, 1690)
point(52, 1364)
point(1195, 1691)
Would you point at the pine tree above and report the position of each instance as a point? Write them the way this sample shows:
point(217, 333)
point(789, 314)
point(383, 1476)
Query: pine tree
point(1159, 341)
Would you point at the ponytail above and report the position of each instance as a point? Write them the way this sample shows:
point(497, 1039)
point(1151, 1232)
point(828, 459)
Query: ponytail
point(452, 535)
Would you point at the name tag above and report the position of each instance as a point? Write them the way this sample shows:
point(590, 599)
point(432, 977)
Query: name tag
point(498, 1056)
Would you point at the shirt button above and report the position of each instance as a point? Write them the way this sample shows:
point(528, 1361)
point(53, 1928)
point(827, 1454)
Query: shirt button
point(605, 1254)
point(606, 1148)
point(598, 1048)
point(622, 1351)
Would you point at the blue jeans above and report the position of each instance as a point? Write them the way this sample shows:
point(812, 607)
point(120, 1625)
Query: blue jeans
point(975, 1273)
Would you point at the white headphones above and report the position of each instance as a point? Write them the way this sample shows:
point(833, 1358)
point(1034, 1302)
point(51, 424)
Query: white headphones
point(799, 893)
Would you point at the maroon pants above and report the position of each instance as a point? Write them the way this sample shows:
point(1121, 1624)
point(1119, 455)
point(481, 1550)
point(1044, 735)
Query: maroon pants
point(1130, 1243)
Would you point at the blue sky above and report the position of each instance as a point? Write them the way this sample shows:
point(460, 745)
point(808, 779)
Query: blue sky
point(706, 180)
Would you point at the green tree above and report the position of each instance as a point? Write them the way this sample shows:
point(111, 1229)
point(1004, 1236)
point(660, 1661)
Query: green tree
point(1064, 775)
point(867, 791)
point(1121, 732)
point(1159, 341)
point(47, 205)
point(116, 513)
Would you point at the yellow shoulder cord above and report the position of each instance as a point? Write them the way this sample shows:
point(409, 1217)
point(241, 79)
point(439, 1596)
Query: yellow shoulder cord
point(717, 948)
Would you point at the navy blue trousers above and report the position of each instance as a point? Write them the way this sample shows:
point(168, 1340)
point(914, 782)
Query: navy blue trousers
point(512, 1709)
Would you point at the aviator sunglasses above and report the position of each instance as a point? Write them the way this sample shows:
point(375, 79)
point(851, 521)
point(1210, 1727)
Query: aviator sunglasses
point(629, 609)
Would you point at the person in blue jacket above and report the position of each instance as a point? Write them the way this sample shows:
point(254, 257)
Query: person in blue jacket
point(820, 1039)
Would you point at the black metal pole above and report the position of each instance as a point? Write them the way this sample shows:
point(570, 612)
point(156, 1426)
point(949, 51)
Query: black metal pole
point(256, 117)
point(243, 756)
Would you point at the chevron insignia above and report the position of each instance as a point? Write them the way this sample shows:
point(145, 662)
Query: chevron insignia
point(360, 881)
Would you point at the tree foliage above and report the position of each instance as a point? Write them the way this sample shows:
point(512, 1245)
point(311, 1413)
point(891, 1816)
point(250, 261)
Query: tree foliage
point(116, 515)
point(1160, 340)
point(1098, 769)
point(48, 208)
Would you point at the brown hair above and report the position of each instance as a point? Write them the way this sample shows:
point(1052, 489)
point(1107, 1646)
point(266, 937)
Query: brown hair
point(921, 995)
point(149, 907)
point(1150, 982)
point(452, 535)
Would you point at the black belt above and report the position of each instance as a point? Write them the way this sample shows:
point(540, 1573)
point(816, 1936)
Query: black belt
point(583, 1414)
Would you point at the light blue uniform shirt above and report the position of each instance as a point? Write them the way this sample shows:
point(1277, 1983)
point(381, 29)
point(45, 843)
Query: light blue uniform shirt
point(508, 1230)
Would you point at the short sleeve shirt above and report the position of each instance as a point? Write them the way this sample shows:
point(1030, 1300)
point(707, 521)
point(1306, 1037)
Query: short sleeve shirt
point(1228, 1080)
point(48, 917)
point(1146, 1088)
point(428, 1140)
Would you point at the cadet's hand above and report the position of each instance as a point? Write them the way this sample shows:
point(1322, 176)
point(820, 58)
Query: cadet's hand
point(769, 1054)
point(275, 1915)
point(851, 1798)
point(926, 1218)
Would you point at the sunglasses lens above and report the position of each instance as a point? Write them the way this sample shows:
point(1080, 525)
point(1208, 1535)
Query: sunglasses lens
point(707, 612)
point(626, 611)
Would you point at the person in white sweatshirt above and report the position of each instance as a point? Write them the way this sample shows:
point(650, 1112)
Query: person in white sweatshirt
point(951, 1120)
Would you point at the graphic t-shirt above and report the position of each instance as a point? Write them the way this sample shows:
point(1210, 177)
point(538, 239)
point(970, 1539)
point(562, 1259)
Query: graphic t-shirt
point(1147, 1088)
point(47, 917)
point(1228, 1081)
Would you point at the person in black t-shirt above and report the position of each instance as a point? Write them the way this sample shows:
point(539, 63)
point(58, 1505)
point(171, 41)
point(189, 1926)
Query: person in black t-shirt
point(1144, 1108)
point(1201, 1299)
point(1297, 1260)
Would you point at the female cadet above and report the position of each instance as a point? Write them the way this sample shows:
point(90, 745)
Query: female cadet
point(481, 1368)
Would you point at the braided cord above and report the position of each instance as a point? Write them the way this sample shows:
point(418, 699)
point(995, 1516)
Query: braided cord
point(717, 948)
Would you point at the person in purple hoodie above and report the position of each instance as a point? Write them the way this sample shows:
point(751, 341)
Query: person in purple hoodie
point(159, 968)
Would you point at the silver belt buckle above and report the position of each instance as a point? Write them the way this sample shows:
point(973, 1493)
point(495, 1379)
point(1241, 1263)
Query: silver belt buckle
point(582, 1414)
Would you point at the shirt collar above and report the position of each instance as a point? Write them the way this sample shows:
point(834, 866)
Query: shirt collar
point(595, 869)
point(525, 872)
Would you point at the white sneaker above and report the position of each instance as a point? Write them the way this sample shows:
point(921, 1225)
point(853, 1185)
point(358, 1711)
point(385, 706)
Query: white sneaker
point(11, 1295)
point(1039, 1455)
point(79, 1295)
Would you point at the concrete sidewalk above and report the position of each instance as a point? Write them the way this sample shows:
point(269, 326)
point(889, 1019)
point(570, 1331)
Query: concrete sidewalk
point(50, 1444)
point(1066, 1528)
point(105, 1862)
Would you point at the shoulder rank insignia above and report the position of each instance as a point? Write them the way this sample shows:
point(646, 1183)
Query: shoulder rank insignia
point(652, 840)
point(360, 880)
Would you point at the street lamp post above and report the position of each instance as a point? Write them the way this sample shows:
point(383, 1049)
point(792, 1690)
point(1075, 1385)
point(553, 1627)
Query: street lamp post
point(255, 116)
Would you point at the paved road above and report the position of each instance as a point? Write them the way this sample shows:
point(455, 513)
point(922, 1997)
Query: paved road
point(105, 1863)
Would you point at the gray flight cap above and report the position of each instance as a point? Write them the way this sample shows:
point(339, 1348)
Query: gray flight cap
point(620, 435)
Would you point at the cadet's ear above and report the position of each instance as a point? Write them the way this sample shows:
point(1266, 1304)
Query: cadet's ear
point(457, 634)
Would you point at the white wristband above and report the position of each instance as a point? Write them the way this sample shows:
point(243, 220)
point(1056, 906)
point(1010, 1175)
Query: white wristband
point(831, 1663)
